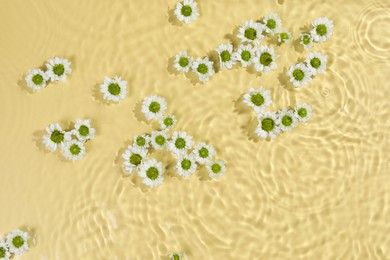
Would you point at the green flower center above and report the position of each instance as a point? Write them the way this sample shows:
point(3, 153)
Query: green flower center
point(2, 252)
point(114, 89)
point(267, 124)
point(321, 29)
point(216, 168)
point(37, 79)
point(202, 68)
point(184, 61)
point(74, 149)
point(246, 55)
point(203, 152)
point(154, 107)
point(306, 39)
point(225, 56)
point(83, 130)
point(168, 121)
point(57, 137)
point(141, 141)
point(58, 69)
point(180, 143)
point(271, 23)
point(160, 140)
point(315, 63)
point(257, 99)
point(302, 112)
point(175, 257)
point(18, 241)
point(186, 164)
point(298, 74)
point(135, 159)
point(250, 33)
point(284, 37)
point(265, 59)
point(186, 10)
point(152, 173)
point(287, 120)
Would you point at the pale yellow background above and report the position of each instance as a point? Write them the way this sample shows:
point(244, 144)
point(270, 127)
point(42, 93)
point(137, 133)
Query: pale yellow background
point(321, 191)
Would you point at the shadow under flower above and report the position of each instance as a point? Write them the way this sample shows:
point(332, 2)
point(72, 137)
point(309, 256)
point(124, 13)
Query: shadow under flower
point(137, 111)
point(170, 68)
point(284, 80)
point(172, 18)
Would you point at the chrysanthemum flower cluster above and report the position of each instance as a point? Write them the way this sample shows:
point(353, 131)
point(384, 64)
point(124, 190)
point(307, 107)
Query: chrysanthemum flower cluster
point(273, 123)
point(180, 144)
point(71, 142)
point(322, 29)
point(186, 11)
point(57, 70)
point(114, 89)
point(300, 74)
point(16, 244)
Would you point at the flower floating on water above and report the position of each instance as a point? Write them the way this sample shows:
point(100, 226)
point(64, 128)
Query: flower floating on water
point(258, 99)
point(203, 153)
point(180, 143)
point(226, 57)
point(306, 40)
point(268, 126)
point(83, 130)
point(114, 89)
point(151, 171)
point(316, 62)
point(17, 242)
point(216, 169)
point(4, 252)
point(299, 75)
point(265, 59)
point(287, 120)
point(175, 256)
point(183, 62)
point(186, 165)
point(168, 122)
point(142, 141)
point(133, 157)
point(284, 37)
point(73, 150)
point(36, 79)
point(153, 107)
point(272, 23)
point(203, 68)
point(55, 137)
point(245, 54)
point(159, 140)
point(58, 68)
point(303, 112)
point(186, 11)
point(323, 29)
point(251, 32)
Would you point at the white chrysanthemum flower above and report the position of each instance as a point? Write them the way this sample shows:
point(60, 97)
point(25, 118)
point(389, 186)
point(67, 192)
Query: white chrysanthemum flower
point(323, 29)
point(183, 62)
point(316, 62)
point(306, 40)
point(83, 130)
point(151, 171)
point(142, 141)
point(203, 68)
point(58, 68)
point(245, 54)
point(159, 140)
point(268, 126)
point(17, 242)
point(55, 137)
point(154, 107)
point(36, 79)
point(133, 157)
point(303, 112)
point(258, 99)
point(168, 122)
point(216, 169)
point(264, 59)
point(299, 75)
point(180, 143)
point(4, 252)
point(73, 150)
point(186, 165)
point(186, 11)
point(272, 23)
point(226, 57)
point(176, 256)
point(287, 120)
point(203, 153)
point(114, 89)
point(284, 36)
point(251, 31)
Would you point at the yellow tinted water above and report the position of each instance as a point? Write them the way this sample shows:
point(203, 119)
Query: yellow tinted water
point(318, 192)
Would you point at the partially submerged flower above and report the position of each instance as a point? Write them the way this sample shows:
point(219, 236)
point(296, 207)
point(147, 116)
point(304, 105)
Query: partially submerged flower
point(142, 141)
point(284, 36)
point(245, 54)
point(133, 157)
point(183, 62)
point(151, 171)
point(159, 140)
point(316, 62)
point(226, 57)
point(58, 68)
point(153, 107)
point(176, 256)
point(73, 150)
point(265, 59)
point(216, 169)
point(83, 130)
point(323, 29)
point(186, 165)
point(251, 31)
point(17, 242)
point(36, 79)
point(303, 112)
point(55, 137)
point(4, 252)
point(258, 99)
point(272, 23)
point(287, 120)
point(167, 122)
point(180, 143)
point(268, 126)
point(306, 40)
point(186, 11)
point(203, 68)
point(114, 89)
point(299, 75)
point(203, 153)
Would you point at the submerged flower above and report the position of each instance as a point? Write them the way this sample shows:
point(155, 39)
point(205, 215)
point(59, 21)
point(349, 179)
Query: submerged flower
point(299, 75)
point(268, 126)
point(245, 54)
point(17, 242)
point(159, 140)
point(287, 120)
point(306, 40)
point(226, 57)
point(55, 137)
point(186, 11)
point(151, 171)
point(272, 23)
point(168, 122)
point(83, 130)
point(180, 143)
point(316, 62)
point(73, 150)
point(176, 256)
point(265, 59)
point(203, 68)
point(153, 107)
point(303, 112)
point(323, 29)
point(183, 62)
point(203, 153)
point(114, 89)
point(4, 252)
point(251, 31)
point(258, 99)
point(133, 157)
point(216, 169)
point(36, 79)
point(284, 36)
point(186, 165)
point(142, 141)
point(58, 68)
